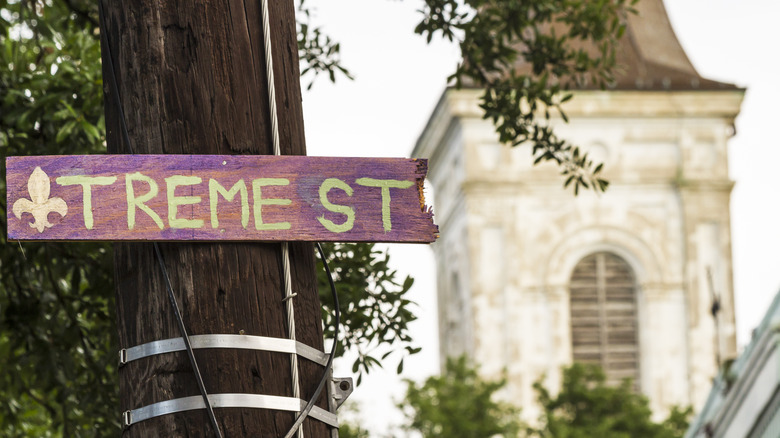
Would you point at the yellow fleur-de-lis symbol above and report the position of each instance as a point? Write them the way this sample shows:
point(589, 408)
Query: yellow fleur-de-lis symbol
point(39, 204)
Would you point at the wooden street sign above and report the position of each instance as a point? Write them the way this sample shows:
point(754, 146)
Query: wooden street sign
point(217, 197)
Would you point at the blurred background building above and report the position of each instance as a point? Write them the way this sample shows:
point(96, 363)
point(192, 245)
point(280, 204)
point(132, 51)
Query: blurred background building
point(531, 278)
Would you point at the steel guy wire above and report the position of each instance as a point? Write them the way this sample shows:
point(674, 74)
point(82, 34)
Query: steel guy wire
point(288, 294)
point(296, 427)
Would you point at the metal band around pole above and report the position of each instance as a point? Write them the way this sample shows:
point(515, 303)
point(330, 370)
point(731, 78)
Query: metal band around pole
point(257, 401)
point(242, 342)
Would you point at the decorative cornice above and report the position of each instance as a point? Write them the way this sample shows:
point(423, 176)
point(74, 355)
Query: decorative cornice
point(461, 104)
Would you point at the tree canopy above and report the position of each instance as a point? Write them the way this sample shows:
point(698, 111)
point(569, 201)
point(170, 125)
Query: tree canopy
point(57, 332)
point(460, 403)
point(587, 407)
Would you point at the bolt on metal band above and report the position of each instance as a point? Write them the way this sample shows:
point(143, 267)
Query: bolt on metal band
point(243, 342)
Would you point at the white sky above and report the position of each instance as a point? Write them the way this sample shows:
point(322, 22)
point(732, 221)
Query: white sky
point(399, 79)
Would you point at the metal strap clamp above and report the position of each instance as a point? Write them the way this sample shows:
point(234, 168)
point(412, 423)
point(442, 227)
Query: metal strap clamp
point(245, 342)
point(340, 389)
point(227, 401)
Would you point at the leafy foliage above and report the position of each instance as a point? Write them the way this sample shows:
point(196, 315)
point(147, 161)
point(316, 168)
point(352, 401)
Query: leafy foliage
point(57, 335)
point(586, 407)
point(459, 404)
point(373, 304)
point(319, 54)
point(349, 426)
point(551, 38)
point(349, 430)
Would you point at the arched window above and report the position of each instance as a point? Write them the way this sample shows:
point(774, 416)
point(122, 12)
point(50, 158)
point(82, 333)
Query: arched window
point(604, 316)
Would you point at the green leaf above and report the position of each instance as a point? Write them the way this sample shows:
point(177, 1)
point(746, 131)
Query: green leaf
point(91, 130)
point(65, 131)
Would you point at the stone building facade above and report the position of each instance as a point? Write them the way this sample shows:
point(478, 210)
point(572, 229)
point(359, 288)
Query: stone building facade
point(531, 277)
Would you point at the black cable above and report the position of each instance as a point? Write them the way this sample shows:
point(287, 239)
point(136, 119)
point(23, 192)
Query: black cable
point(187, 344)
point(112, 82)
point(328, 366)
point(158, 253)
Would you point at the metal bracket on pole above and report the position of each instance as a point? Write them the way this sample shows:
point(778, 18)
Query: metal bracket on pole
point(340, 389)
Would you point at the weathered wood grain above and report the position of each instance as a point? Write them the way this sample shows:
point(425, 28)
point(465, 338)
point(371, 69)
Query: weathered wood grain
point(219, 197)
point(191, 78)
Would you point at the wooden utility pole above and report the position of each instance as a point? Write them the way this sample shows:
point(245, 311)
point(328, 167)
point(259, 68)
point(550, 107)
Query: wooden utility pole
point(191, 79)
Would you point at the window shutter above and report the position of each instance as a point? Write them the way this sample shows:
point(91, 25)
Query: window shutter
point(604, 316)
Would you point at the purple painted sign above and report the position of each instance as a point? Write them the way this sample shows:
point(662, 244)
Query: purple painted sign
point(217, 197)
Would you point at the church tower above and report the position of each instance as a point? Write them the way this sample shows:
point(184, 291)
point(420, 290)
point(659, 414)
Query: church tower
point(531, 278)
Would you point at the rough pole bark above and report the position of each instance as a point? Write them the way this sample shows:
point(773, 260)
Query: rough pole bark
point(191, 78)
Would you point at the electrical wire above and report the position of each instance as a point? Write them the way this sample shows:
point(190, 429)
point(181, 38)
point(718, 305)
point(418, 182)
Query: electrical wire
point(329, 365)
